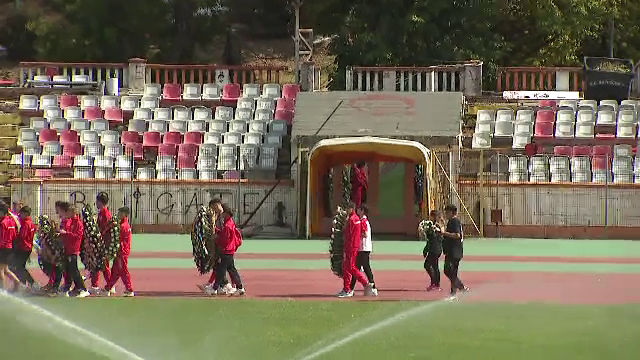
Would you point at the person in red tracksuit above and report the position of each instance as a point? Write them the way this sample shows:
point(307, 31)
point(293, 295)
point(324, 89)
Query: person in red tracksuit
point(24, 246)
point(8, 234)
point(229, 240)
point(71, 232)
point(121, 263)
point(359, 184)
point(104, 216)
point(352, 240)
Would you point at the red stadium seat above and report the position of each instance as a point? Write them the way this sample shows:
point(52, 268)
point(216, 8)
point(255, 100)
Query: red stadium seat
point(545, 115)
point(193, 137)
point(114, 115)
point(186, 162)
point(68, 100)
point(151, 138)
point(92, 113)
point(543, 130)
point(136, 149)
point(290, 91)
point(603, 150)
point(63, 161)
point(44, 173)
point(171, 92)
point(72, 149)
point(562, 150)
point(547, 103)
point(189, 150)
point(68, 137)
point(129, 137)
point(582, 150)
point(231, 92)
point(285, 104)
point(167, 150)
point(172, 137)
point(600, 162)
point(47, 135)
point(285, 115)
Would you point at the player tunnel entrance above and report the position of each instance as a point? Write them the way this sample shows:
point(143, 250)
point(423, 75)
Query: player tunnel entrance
point(333, 154)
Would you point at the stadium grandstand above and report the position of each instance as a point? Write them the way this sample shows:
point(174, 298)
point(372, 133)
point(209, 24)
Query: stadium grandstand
point(167, 138)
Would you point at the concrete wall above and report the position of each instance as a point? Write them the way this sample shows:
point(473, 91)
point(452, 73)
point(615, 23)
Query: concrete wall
point(163, 206)
point(556, 210)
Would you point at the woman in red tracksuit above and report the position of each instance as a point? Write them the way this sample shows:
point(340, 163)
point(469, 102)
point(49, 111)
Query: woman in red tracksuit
point(71, 232)
point(104, 216)
point(352, 240)
point(359, 184)
point(229, 240)
point(121, 263)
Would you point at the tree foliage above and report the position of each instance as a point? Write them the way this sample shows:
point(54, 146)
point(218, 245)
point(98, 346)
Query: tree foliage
point(367, 32)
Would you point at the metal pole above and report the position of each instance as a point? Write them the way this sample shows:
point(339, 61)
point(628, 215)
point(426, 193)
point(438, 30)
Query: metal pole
point(611, 36)
point(296, 41)
point(130, 204)
point(239, 162)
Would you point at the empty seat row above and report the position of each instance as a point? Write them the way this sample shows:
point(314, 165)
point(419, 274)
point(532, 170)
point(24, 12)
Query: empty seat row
point(228, 92)
point(598, 169)
point(75, 78)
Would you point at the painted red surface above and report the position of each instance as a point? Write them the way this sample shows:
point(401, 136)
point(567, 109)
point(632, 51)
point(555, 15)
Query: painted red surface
point(299, 256)
point(511, 287)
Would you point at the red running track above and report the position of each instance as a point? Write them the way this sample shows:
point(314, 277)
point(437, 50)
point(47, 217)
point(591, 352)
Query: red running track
point(512, 287)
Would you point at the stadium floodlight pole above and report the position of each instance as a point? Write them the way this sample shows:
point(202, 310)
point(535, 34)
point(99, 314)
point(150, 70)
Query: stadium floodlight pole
point(296, 39)
point(611, 35)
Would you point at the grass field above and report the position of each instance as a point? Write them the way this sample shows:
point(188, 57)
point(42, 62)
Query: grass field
point(513, 312)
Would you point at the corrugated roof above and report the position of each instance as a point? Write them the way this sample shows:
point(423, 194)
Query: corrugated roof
point(386, 114)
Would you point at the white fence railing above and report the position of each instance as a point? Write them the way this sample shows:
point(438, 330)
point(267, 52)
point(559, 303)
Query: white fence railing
point(465, 78)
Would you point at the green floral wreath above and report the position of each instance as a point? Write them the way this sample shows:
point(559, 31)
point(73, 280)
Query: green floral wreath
point(48, 236)
point(92, 252)
point(202, 231)
point(336, 243)
point(113, 246)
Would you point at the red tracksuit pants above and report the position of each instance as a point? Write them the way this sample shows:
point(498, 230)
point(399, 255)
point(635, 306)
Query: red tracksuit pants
point(95, 277)
point(120, 271)
point(349, 270)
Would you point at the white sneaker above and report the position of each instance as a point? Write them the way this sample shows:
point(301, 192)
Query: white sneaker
point(209, 290)
point(239, 292)
point(83, 294)
point(128, 294)
point(112, 291)
point(229, 288)
point(95, 291)
point(344, 294)
point(204, 286)
point(451, 298)
point(369, 290)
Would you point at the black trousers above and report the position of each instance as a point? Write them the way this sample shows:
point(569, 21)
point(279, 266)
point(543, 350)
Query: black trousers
point(227, 264)
point(362, 264)
point(431, 265)
point(451, 266)
point(72, 273)
point(20, 258)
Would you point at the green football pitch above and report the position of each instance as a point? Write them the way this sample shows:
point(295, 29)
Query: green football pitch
point(591, 313)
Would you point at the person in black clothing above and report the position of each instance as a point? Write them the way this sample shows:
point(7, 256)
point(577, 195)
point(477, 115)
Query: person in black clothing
point(452, 246)
point(433, 249)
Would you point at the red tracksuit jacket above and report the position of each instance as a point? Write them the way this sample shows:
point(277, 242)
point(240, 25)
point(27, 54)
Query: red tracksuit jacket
point(353, 234)
point(73, 239)
point(7, 232)
point(27, 231)
point(104, 216)
point(358, 185)
point(125, 238)
point(229, 237)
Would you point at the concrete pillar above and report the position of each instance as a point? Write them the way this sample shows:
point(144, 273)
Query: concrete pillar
point(473, 79)
point(562, 80)
point(388, 81)
point(136, 75)
point(307, 76)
